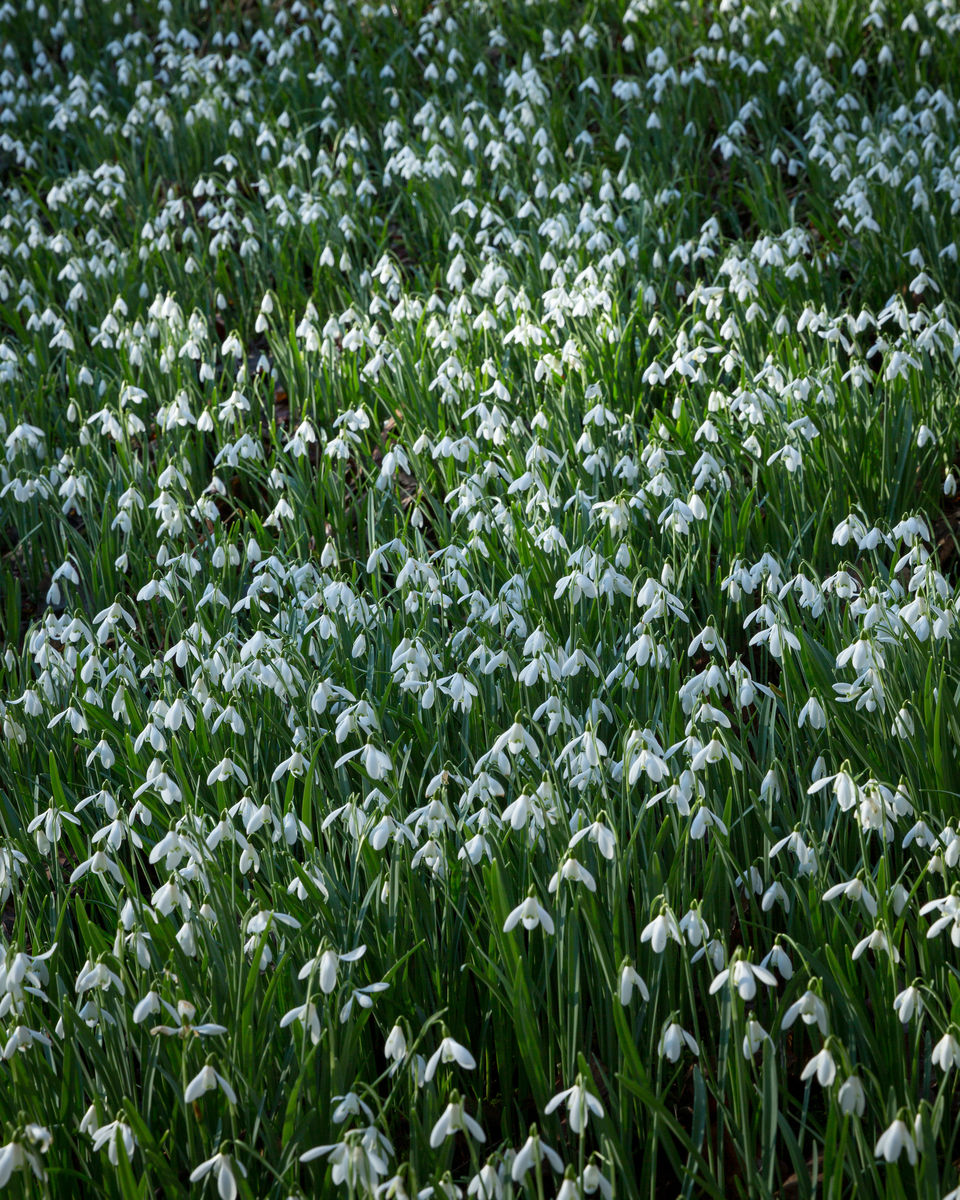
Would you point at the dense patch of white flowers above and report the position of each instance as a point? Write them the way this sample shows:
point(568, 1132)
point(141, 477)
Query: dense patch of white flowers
point(479, 591)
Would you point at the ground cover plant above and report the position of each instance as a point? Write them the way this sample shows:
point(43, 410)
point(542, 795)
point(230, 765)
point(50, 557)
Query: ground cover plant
point(478, 599)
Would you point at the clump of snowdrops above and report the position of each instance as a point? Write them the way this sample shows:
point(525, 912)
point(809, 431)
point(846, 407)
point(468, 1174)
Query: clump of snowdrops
point(479, 590)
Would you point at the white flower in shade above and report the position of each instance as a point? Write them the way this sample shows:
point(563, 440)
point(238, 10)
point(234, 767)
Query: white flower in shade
point(672, 1041)
point(326, 962)
point(946, 1053)
point(571, 869)
point(580, 1103)
point(533, 1152)
point(455, 1119)
point(207, 1080)
point(853, 889)
point(822, 1066)
point(395, 1047)
point(23, 1154)
point(223, 1167)
point(754, 1038)
point(777, 957)
point(350, 1105)
point(877, 940)
point(744, 976)
point(568, 1188)
point(704, 819)
point(813, 713)
point(844, 787)
point(663, 926)
point(630, 981)
point(601, 835)
point(908, 1003)
point(530, 913)
point(810, 1009)
point(851, 1097)
point(447, 1052)
point(308, 1017)
point(594, 1181)
point(894, 1140)
point(111, 1136)
point(486, 1185)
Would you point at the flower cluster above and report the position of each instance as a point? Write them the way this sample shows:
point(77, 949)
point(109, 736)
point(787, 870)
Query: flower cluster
point(478, 597)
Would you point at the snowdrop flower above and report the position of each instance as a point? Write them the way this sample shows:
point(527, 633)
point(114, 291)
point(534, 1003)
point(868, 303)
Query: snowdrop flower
point(530, 913)
point(851, 1097)
point(821, 1066)
point(663, 926)
point(533, 1152)
point(362, 997)
point(878, 940)
point(743, 976)
point(24, 1153)
point(580, 1103)
point(600, 834)
point(207, 1080)
point(946, 1053)
point(349, 1105)
point(223, 1166)
point(894, 1140)
point(574, 871)
point(455, 1119)
point(309, 1018)
point(813, 712)
point(325, 963)
point(631, 981)
point(754, 1038)
point(854, 889)
point(111, 1136)
point(672, 1041)
point(395, 1047)
point(908, 1003)
point(810, 1009)
point(447, 1052)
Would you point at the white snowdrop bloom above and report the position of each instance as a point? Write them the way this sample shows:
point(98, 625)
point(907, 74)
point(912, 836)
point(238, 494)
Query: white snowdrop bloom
point(112, 1135)
point(810, 1008)
point(754, 1038)
point(630, 981)
point(455, 1119)
point(894, 1140)
point(908, 1004)
point(744, 977)
point(672, 1041)
point(854, 889)
point(843, 787)
point(580, 1103)
point(713, 752)
point(224, 1168)
point(813, 713)
point(449, 1051)
point(662, 927)
point(309, 1018)
point(326, 962)
point(25, 1154)
point(207, 1080)
point(703, 820)
point(949, 909)
point(395, 1047)
point(530, 913)
point(570, 869)
point(531, 1154)
point(694, 926)
point(877, 940)
point(821, 1067)
point(349, 1105)
point(851, 1097)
